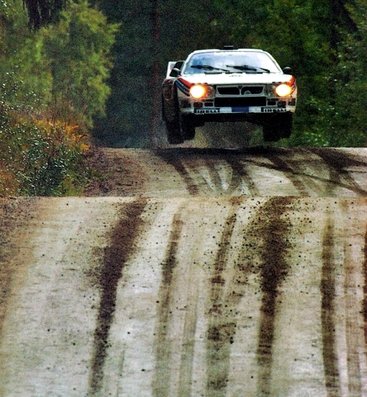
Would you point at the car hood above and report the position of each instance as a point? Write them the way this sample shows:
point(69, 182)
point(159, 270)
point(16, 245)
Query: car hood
point(236, 78)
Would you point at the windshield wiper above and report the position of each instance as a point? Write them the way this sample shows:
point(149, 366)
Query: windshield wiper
point(248, 68)
point(209, 67)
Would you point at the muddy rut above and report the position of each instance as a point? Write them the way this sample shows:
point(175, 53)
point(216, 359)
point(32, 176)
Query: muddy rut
point(191, 272)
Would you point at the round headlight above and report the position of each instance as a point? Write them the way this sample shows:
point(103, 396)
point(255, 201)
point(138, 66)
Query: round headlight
point(198, 91)
point(283, 90)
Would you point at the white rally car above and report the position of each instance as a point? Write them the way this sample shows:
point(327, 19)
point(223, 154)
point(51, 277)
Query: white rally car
point(228, 85)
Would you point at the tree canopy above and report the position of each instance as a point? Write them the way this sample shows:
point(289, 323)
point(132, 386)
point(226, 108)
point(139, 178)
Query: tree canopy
point(53, 83)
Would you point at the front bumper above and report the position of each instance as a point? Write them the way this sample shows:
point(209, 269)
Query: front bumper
point(238, 110)
point(237, 105)
point(257, 103)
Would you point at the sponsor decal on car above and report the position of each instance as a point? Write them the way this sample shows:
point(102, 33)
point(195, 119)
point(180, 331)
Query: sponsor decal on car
point(183, 86)
point(207, 111)
point(273, 110)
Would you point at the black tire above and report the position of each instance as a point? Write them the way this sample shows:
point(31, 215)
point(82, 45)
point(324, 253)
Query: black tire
point(174, 136)
point(280, 126)
point(187, 127)
point(174, 128)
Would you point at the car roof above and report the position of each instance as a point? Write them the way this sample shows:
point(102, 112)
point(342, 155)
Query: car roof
point(227, 50)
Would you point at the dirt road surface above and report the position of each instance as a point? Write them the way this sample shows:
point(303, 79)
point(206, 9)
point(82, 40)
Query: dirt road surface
point(191, 272)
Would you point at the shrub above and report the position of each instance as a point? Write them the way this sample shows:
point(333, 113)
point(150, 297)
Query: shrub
point(40, 158)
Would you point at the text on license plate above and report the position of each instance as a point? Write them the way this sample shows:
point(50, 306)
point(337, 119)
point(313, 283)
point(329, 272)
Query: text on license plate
point(207, 111)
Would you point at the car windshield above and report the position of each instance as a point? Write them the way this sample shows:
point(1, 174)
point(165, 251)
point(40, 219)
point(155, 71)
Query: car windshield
point(231, 62)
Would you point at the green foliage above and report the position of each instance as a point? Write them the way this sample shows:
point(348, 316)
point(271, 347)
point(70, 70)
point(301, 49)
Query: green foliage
point(78, 50)
point(53, 82)
point(324, 43)
point(20, 61)
point(26, 79)
point(39, 158)
point(61, 69)
point(349, 124)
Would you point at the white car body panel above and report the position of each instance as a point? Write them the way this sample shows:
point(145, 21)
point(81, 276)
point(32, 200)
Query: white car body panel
point(240, 78)
point(238, 84)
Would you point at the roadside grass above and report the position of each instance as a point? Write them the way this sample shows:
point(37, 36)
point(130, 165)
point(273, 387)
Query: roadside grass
point(39, 157)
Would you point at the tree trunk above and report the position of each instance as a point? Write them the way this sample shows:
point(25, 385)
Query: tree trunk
point(42, 12)
point(155, 81)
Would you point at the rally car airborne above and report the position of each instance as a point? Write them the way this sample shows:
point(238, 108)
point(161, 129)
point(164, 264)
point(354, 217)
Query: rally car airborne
point(228, 85)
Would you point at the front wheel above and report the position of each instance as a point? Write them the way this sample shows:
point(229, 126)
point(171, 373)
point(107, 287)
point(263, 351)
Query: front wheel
point(174, 135)
point(187, 127)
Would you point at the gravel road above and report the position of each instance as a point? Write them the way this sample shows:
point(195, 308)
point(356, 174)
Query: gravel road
point(191, 272)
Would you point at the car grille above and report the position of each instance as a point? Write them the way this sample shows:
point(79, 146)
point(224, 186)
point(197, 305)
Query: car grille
point(240, 90)
point(240, 101)
point(229, 91)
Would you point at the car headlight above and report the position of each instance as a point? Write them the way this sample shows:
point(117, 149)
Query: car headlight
point(198, 91)
point(285, 89)
point(201, 91)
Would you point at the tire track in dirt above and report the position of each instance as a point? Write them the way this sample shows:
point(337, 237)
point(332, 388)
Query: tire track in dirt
point(234, 177)
point(328, 276)
point(278, 164)
point(114, 260)
point(273, 271)
point(354, 307)
point(241, 175)
point(307, 181)
point(269, 231)
point(289, 172)
point(337, 162)
point(221, 324)
point(292, 173)
point(217, 185)
point(329, 184)
point(188, 343)
point(170, 159)
point(162, 344)
point(364, 301)
point(365, 288)
point(193, 183)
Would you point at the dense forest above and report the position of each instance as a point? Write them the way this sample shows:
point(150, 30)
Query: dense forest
point(74, 72)
point(323, 41)
point(55, 61)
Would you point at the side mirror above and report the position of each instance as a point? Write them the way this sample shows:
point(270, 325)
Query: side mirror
point(175, 72)
point(287, 70)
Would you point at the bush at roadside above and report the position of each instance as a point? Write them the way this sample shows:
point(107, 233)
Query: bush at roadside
point(39, 157)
